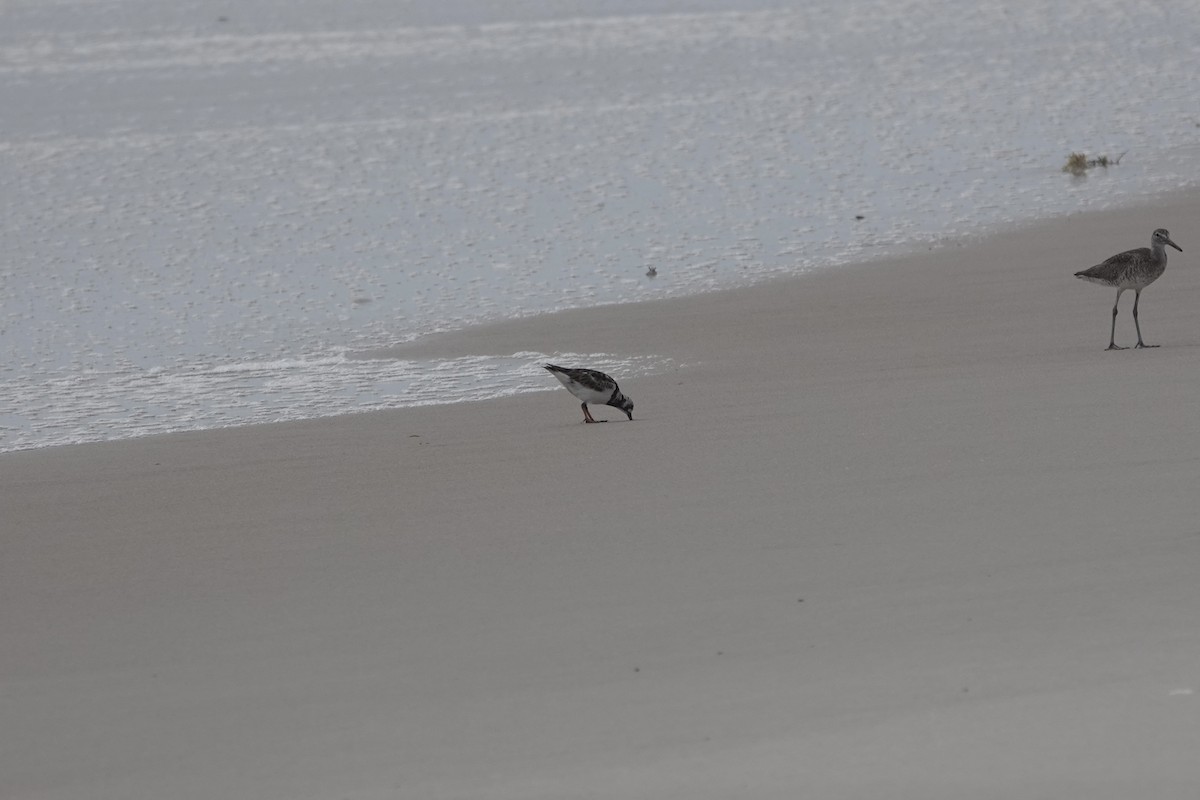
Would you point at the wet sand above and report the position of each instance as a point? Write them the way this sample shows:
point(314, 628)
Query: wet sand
point(898, 529)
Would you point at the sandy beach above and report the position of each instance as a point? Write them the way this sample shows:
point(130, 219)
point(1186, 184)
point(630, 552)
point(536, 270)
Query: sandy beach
point(900, 529)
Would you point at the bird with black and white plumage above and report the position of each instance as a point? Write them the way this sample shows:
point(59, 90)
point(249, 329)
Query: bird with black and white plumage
point(1133, 269)
point(592, 386)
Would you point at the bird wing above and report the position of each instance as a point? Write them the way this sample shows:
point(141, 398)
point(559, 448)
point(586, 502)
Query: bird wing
point(594, 379)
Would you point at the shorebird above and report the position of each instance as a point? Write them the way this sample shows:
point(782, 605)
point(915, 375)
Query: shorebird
point(1133, 269)
point(592, 386)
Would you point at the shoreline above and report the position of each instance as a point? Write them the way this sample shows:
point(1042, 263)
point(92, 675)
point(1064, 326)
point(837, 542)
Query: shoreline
point(473, 340)
point(485, 339)
point(900, 527)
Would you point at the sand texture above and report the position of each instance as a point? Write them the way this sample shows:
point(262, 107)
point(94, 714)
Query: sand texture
point(901, 529)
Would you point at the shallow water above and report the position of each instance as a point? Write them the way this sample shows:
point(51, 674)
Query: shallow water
point(203, 216)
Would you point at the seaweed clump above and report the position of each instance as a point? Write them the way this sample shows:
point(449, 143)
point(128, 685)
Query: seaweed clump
point(1078, 163)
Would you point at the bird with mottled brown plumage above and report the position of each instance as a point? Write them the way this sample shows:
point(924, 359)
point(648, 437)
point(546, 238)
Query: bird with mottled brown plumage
point(1133, 269)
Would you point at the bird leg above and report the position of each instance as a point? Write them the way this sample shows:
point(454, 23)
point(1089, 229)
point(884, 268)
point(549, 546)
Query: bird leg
point(1112, 338)
point(587, 415)
point(1138, 296)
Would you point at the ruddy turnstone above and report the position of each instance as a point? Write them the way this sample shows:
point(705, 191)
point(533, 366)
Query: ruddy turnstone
point(592, 386)
point(1133, 269)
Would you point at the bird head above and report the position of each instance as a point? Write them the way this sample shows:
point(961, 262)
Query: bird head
point(1162, 237)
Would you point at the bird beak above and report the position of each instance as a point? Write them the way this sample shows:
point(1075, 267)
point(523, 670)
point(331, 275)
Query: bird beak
point(629, 414)
point(1177, 247)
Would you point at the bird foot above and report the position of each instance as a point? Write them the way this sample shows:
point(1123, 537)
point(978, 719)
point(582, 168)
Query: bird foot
point(1140, 346)
point(1114, 347)
point(590, 421)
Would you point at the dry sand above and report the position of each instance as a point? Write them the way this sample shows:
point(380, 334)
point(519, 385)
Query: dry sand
point(898, 530)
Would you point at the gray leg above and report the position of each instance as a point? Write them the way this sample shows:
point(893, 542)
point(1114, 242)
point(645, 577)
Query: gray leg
point(1112, 338)
point(1138, 296)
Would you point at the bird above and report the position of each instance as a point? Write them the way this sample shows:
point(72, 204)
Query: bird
point(592, 386)
point(1133, 269)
